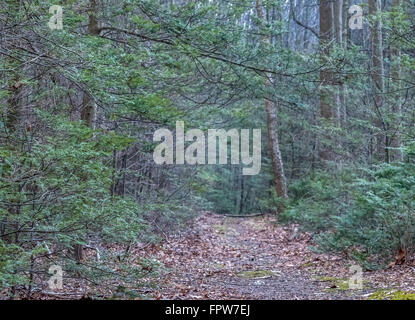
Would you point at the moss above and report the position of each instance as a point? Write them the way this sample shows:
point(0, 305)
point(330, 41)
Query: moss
point(392, 295)
point(336, 283)
point(306, 265)
point(326, 279)
point(255, 274)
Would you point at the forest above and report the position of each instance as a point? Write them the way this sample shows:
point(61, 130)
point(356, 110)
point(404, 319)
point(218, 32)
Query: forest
point(207, 149)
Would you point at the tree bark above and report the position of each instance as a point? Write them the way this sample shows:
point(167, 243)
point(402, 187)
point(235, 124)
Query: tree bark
point(273, 146)
point(378, 78)
point(395, 134)
point(88, 112)
point(273, 139)
point(327, 109)
point(338, 34)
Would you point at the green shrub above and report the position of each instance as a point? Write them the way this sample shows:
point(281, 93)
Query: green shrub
point(368, 214)
point(57, 194)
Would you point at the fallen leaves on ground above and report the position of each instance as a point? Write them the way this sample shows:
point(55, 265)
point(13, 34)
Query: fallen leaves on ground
point(220, 257)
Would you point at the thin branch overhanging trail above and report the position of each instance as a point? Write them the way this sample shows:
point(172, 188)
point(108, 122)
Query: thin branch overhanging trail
point(210, 55)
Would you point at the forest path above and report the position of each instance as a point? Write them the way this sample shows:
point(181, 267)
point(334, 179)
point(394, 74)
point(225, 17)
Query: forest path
point(247, 258)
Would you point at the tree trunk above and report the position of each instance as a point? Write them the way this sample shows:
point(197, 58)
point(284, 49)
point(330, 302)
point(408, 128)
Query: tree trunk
point(395, 143)
point(88, 112)
point(345, 38)
point(273, 140)
point(274, 149)
point(378, 78)
point(338, 32)
point(327, 108)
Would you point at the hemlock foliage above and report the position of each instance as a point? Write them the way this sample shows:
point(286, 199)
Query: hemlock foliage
point(79, 107)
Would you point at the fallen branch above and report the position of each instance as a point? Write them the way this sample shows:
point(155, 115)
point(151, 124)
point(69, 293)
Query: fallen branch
point(242, 215)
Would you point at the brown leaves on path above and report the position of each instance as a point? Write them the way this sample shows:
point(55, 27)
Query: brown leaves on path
point(222, 257)
point(218, 257)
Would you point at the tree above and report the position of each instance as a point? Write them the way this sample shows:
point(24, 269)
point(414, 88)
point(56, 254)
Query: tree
point(395, 154)
point(378, 74)
point(327, 101)
point(272, 125)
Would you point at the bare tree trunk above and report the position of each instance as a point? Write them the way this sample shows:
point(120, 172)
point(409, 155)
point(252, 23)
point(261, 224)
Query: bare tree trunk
point(273, 146)
point(378, 78)
point(395, 143)
point(338, 20)
point(327, 109)
point(88, 112)
point(241, 200)
point(306, 39)
point(338, 32)
point(273, 139)
point(345, 38)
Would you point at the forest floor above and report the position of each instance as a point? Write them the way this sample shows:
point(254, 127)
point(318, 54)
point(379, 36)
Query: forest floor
point(254, 258)
point(218, 257)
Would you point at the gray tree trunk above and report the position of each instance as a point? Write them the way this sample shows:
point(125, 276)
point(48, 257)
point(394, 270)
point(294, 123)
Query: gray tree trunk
point(378, 78)
point(273, 139)
point(327, 100)
point(395, 152)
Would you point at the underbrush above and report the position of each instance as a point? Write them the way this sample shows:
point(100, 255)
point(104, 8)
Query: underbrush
point(367, 214)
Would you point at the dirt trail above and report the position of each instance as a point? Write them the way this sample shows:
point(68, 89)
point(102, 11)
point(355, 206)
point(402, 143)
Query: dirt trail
point(247, 258)
point(219, 257)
